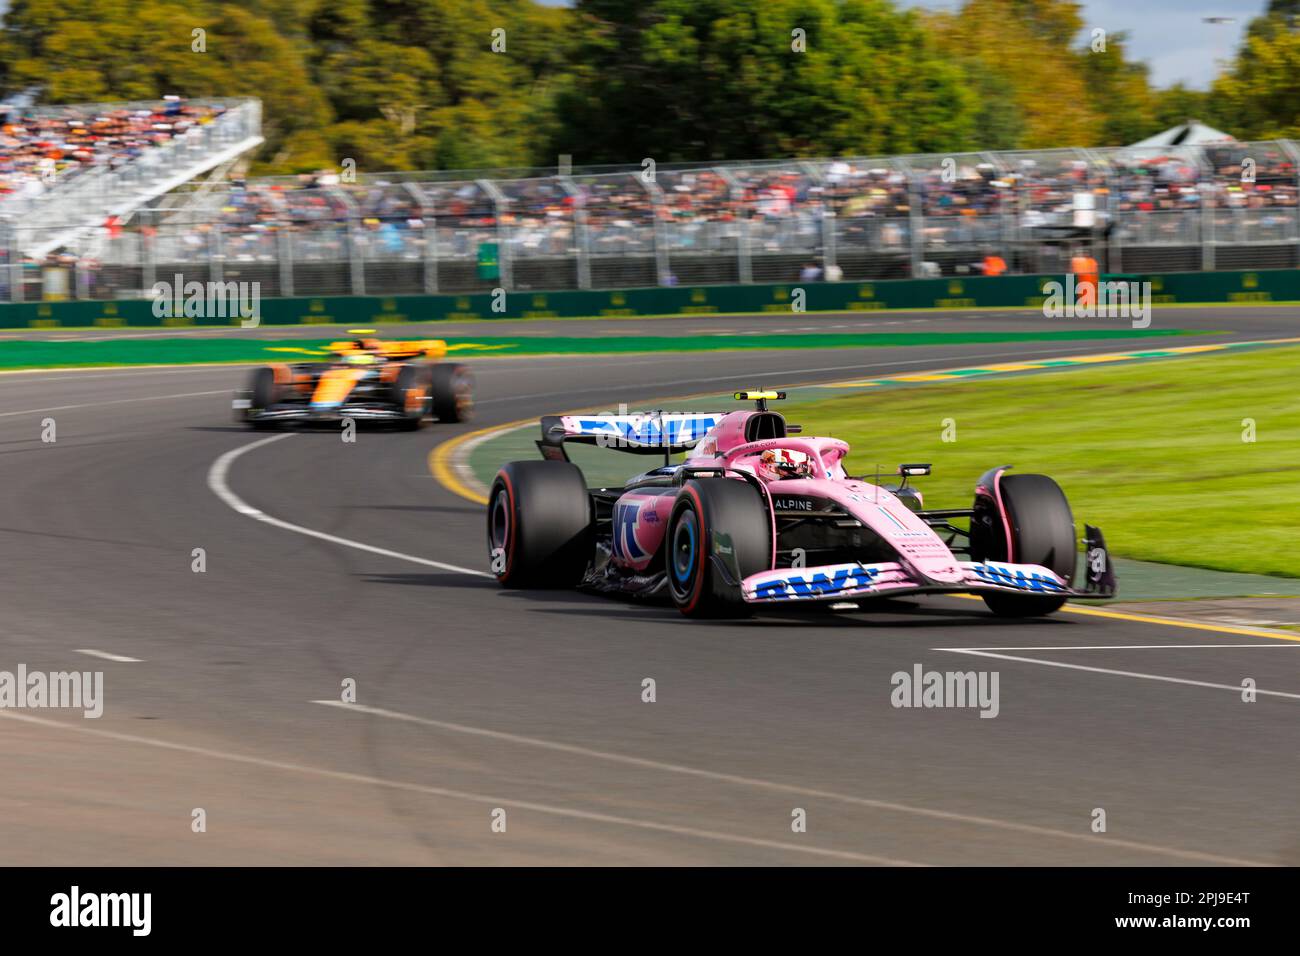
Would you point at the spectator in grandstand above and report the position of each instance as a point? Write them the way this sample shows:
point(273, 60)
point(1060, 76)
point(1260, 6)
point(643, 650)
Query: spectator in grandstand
point(41, 147)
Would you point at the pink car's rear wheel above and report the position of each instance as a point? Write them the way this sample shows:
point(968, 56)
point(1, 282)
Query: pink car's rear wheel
point(540, 532)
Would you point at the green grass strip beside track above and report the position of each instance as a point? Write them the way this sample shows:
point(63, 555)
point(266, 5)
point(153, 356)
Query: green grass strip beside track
point(1154, 453)
point(183, 350)
point(1150, 449)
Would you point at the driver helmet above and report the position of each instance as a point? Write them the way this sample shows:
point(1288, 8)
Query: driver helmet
point(776, 464)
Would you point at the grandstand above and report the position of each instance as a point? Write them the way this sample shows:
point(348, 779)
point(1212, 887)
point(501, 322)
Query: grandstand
point(71, 172)
point(116, 193)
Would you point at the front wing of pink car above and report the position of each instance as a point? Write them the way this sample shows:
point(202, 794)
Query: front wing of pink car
point(836, 581)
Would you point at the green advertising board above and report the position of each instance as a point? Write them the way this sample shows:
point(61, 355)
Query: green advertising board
point(1264, 286)
point(489, 261)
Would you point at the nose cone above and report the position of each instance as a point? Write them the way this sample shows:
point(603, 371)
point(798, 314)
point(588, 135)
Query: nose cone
point(334, 387)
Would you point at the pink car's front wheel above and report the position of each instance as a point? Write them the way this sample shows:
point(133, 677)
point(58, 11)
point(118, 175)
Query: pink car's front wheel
point(1039, 528)
point(715, 521)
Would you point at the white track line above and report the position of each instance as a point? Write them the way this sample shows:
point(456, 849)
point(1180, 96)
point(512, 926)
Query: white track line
point(90, 652)
point(489, 800)
point(460, 459)
point(1114, 647)
point(217, 482)
point(1235, 688)
point(963, 818)
point(116, 401)
point(80, 373)
point(16, 376)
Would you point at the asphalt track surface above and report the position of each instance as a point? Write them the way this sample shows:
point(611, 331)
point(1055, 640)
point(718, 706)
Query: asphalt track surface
point(354, 563)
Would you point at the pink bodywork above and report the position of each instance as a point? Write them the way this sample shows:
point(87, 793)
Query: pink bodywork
point(876, 507)
point(641, 519)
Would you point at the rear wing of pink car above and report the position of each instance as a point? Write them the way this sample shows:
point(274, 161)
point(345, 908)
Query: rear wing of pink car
point(651, 433)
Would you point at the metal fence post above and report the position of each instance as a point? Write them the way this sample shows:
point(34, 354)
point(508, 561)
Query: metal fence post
point(656, 196)
point(1115, 251)
point(915, 222)
point(7, 244)
point(826, 220)
point(14, 257)
point(581, 234)
point(356, 264)
point(216, 252)
point(830, 255)
point(744, 258)
point(148, 229)
point(284, 255)
point(1114, 235)
point(663, 266)
point(356, 260)
point(83, 278)
point(500, 202)
point(1005, 222)
point(1092, 161)
point(429, 254)
point(1207, 214)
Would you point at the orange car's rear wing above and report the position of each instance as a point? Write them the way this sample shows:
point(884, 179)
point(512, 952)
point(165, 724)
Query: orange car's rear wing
point(428, 348)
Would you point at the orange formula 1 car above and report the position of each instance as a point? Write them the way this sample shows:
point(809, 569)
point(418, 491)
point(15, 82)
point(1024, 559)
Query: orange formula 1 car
point(365, 380)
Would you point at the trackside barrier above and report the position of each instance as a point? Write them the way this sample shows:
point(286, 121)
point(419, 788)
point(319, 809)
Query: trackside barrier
point(1282, 285)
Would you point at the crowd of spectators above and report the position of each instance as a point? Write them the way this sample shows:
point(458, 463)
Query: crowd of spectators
point(42, 148)
point(968, 203)
point(964, 202)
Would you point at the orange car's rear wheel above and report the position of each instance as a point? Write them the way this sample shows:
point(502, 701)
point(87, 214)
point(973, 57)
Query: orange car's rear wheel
point(264, 391)
point(410, 394)
point(452, 386)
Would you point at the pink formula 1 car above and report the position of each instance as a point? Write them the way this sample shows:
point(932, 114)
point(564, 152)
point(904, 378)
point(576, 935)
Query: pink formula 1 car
point(759, 517)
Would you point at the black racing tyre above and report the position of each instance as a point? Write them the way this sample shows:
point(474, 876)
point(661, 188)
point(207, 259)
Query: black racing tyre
point(263, 392)
point(540, 529)
point(1042, 533)
point(453, 392)
point(410, 377)
point(719, 532)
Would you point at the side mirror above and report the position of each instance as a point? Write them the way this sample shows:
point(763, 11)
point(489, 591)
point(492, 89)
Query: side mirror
point(913, 471)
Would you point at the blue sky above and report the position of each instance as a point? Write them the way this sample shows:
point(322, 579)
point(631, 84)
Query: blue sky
point(1168, 34)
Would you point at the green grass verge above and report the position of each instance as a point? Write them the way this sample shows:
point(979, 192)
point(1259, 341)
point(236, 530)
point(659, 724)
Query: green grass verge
point(1153, 453)
point(27, 354)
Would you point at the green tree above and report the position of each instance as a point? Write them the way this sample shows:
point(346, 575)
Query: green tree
point(1027, 45)
point(1178, 104)
point(721, 79)
point(399, 84)
point(1122, 92)
point(1259, 96)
